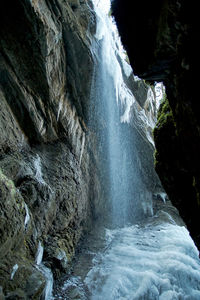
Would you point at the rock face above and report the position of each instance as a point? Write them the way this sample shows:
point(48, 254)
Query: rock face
point(163, 44)
point(50, 179)
point(49, 174)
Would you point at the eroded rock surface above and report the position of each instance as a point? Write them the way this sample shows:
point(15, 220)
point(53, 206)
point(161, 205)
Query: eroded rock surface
point(48, 175)
point(50, 179)
point(162, 42)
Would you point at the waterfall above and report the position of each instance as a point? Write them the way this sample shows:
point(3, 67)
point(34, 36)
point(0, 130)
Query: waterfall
point(112, 104)
point(146, 253)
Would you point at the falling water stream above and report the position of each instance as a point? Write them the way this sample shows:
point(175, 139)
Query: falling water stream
point(146, 253)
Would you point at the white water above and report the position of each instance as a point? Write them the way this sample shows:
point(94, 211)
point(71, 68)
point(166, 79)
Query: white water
point(27, 217)
point(112, 104)
point(150, 262)
point(39, 254)
point(155, 259)
point(14, 270)
point(158, 262)
point(47, 294)
point(38, 170)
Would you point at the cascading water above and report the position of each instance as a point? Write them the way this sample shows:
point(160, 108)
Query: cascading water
point(146, 254)
point(111, 104)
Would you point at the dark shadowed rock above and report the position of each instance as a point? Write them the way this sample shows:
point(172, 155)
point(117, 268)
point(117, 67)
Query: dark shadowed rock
point(49, 175)
point(162, 42)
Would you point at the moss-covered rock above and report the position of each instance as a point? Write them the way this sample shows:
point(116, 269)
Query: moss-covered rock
point(173, 153)
point(16, 264)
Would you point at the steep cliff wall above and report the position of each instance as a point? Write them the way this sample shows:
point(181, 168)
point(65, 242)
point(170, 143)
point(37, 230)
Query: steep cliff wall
point(48, 168)
point(50, 178)
point(162, 42)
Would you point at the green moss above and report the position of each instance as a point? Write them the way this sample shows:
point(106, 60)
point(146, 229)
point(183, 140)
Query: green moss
point(9, 183)
point(155, 157)
point(165, 118)
point(14, 194)
point(165, 127)
point(197, 189)
point(164, 110)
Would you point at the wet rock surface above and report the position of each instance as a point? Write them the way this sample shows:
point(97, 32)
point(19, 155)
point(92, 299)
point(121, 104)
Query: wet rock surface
point(162, 42)
point(46, 161)
point(50, 183)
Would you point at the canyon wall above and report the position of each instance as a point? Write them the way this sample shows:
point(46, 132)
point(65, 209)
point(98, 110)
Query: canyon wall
point(51, 185)
point(162, 41)
point(48, 168)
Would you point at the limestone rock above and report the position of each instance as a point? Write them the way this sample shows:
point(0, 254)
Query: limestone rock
point(46, 155)
point(162, 41)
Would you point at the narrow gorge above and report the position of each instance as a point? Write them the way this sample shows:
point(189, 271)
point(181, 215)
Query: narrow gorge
point(83, 213)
